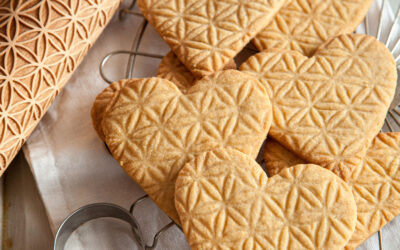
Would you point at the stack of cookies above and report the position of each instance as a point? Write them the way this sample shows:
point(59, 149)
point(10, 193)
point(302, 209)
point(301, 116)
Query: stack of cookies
point(189, 136)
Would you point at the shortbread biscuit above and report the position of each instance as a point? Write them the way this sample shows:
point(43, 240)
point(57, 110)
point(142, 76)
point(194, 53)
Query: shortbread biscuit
point(304, 25)
point(108, 95)
point(225, 201)
point(277, 157)
point(206, 34)
point(329, 107)
point(375, 183)
point(172, 69)
point(153, 129)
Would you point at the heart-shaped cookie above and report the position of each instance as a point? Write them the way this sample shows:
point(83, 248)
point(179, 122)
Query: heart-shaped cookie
point(304, 25)
point(277, 157)
point(376, 187)
point(153, 129)
point(328, 108)
point(375, 183)
point(108, 95)
point(206, 34)
point(225, 201)
point(172, 69)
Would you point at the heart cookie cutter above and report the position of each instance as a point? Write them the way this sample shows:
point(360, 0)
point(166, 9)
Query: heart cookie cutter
point(102, 210)
point(105, 210)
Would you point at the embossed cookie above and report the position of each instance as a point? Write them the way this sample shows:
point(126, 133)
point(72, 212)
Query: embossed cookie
point(277, 157)
point(206, 34)
point(304, 25)
point(172, 69)
point(153, 129)
point(374, 183)
point(376, 187)
point(329, 107)
point(109, 94)
point(225, 201)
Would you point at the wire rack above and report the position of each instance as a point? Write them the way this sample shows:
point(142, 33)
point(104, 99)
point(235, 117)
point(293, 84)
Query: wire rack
point(392, 121)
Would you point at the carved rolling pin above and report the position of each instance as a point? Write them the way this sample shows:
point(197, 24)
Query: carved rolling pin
point(41, 44)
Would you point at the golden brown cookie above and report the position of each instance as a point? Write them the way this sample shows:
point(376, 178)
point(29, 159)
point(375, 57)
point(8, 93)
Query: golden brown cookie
point(376, 187)
point(375, 183)
point(225, 201)
point(277, 157)
point(329, 107)
point(108, 95)
point(153, 129)
point(304, 25)
point(172, 69)
point(206, 34)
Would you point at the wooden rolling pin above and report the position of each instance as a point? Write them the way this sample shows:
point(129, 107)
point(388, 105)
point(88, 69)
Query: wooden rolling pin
point(41, 43)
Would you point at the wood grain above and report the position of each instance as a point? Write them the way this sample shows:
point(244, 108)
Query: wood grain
point(25, 224)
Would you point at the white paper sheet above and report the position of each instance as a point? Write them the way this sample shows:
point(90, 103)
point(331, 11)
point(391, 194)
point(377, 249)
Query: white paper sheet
point(72, 167)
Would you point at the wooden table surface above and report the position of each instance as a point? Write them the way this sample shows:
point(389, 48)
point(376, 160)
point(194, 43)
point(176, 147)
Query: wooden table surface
point(25, 223)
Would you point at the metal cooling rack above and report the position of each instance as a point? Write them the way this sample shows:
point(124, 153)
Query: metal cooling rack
point(93, 211)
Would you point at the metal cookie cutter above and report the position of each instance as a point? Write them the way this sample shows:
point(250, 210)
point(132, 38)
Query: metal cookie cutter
point(105, 210)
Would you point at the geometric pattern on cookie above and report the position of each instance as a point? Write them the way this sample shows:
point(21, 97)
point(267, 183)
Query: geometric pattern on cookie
point(328, 108)
point(172, 69)
point(225, 201)
point(277, 157)
point(376, 187)
point(375, 183)
point(108, 95)
point(206, 34)
point(153, 129)
point(304, 25)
